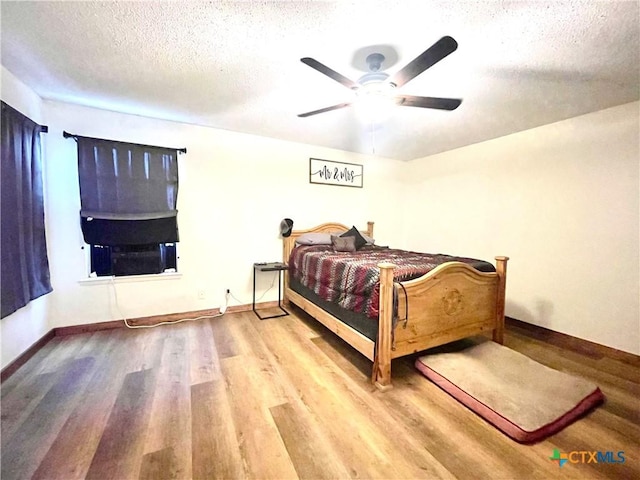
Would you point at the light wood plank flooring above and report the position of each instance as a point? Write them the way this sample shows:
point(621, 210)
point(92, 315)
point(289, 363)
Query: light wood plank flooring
point(235, 397)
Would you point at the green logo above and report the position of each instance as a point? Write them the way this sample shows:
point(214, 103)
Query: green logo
point(561, 458)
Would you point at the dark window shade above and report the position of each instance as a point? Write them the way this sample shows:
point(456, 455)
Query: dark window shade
point(99, 231)
point(128, 192)
point(23, 251)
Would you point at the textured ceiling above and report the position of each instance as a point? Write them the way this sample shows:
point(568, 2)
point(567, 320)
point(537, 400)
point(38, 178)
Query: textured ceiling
point(236, 65)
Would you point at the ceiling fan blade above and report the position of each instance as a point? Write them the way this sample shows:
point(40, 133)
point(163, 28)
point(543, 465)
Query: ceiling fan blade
point(322, 110)
point(426, 59)
point(429, 102)
point(328, 72)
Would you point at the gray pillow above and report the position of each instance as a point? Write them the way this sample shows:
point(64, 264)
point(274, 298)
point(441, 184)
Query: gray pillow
point(343, 244)
point(314, 239)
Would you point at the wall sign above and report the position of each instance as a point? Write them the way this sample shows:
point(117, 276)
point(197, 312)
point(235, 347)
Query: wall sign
point(335, 173)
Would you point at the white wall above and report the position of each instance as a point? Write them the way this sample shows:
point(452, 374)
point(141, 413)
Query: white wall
point(234, 190)
point(23, 328)
point(562, 201)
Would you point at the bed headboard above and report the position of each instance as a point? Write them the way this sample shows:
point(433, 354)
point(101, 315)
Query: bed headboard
point(289, 242)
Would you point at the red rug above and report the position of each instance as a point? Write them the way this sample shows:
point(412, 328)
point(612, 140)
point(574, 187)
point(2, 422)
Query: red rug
point(524, 399)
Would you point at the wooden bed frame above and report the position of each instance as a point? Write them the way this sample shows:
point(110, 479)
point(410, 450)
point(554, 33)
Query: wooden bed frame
point(451, 302)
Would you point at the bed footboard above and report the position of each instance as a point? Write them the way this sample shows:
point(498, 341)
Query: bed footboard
point(451, 302)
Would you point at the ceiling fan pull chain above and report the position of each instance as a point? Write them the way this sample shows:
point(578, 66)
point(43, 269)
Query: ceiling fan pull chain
point(373, 140)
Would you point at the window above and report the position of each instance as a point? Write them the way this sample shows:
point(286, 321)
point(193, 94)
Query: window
point(23, 246)
point(133, 259)
point(128, 216)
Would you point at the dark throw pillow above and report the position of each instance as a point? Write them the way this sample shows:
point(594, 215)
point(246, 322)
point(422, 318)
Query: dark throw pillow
point(343, 244)
point(360, 240)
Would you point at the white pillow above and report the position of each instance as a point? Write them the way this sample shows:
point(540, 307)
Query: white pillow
point(370, 241)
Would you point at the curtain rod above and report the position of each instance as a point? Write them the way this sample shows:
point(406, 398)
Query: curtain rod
point(66, 134)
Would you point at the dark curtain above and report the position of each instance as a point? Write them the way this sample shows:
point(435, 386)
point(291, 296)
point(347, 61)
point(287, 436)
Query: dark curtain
point(23, 249)
point(128, 192)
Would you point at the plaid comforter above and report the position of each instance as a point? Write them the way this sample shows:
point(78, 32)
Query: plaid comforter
point(352, 280)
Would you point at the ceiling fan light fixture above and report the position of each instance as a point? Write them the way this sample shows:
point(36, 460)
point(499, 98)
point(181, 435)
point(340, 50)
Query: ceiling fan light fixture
point(374, 100)
point(378, 88)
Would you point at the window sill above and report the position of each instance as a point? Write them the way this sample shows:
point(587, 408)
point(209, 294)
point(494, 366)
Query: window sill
point(130, 278)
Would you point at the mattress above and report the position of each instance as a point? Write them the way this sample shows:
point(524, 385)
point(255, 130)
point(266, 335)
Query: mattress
point(358, 321)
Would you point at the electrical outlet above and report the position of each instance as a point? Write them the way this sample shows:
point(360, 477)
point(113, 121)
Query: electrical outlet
point(201, 295)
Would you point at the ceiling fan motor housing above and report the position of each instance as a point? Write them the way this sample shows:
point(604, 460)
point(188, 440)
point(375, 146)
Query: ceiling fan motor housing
point(374, 61)
point(373, 77)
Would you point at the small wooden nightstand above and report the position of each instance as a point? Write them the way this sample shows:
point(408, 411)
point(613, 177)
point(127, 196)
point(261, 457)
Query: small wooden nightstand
point(269, 267)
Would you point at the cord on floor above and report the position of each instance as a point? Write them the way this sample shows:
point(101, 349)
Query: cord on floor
point(128, 325)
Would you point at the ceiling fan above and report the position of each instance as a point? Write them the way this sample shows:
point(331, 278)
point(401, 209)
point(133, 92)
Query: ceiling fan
point(379, 84)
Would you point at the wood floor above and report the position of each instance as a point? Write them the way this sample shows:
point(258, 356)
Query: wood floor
point(236, 397)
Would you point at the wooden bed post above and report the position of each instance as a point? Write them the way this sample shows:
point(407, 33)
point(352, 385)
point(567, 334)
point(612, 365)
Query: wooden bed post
point(382, 361)
point(501, 269)
point(287, 246)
